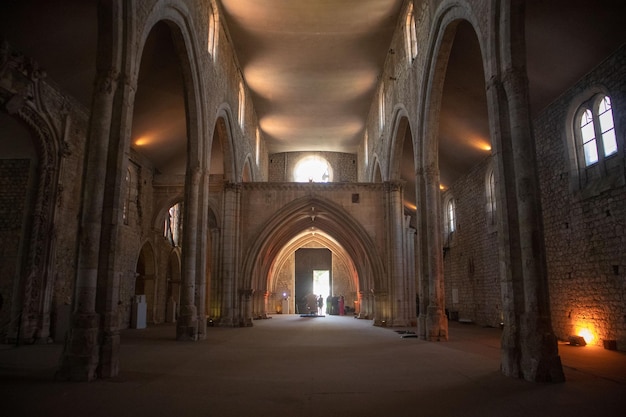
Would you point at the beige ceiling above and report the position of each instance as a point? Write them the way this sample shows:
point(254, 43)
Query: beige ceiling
point(312, 66)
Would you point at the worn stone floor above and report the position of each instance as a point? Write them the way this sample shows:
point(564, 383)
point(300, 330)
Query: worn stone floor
point(329, 366)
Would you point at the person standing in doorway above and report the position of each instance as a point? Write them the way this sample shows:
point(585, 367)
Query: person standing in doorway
point(342, 306)
point(320, 306)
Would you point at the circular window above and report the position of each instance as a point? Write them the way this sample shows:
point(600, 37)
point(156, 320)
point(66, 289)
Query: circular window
point(312, 169)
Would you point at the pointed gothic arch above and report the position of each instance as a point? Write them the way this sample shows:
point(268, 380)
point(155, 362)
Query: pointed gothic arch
point(294, 219)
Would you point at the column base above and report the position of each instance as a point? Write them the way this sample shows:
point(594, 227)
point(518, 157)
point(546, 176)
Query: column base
point(436, 325)
point(81, 353)
point(187, 324)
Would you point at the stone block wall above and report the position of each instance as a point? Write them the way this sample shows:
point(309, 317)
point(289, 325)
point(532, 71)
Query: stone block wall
point(14, 175)
point(472, 281)
point(585, 235)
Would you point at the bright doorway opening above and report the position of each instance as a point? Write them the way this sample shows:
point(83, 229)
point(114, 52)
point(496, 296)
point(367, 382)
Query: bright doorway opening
point(321, 284)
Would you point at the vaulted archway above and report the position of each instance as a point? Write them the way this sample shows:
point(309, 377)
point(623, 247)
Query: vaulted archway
point(296, 219)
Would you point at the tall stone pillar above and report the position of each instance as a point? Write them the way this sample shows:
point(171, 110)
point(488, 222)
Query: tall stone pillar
point(215, 284)
point(382, 308)
point(395, 255)
point(245, 315)
point(230, 256)
point(82, 349)
point(421, 255)
point(436, 323)
point(409, 272)
point(203, 259)
point(187, 324)
point(364, 305)
point(529, 346)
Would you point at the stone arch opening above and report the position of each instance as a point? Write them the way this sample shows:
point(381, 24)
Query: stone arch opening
point(296, 219)
point(145, 288)
point(173, 278)
point(281, 277)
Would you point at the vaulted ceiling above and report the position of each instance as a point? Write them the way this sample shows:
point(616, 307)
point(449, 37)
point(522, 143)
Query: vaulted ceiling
point(312, 67)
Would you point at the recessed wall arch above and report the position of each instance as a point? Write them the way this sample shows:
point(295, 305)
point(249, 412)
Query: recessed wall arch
point(294, 219)
point(376, 174)
point(224, 132)
point(441, 40)
point(399, 129)
point(187, 45)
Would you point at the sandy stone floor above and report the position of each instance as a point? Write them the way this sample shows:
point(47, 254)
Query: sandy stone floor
point(329, 366)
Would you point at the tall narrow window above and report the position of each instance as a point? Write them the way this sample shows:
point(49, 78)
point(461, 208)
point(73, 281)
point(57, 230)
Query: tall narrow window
point(588, 137)
point(381, 107)
point(410, 34)
point(126, 208)
point(491, 196)
point(242, 105)
point(451, 210)
point(607, 126)
point(213, 31)
point(257, 151)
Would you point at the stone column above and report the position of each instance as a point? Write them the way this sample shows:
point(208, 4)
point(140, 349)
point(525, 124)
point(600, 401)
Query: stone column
point(82, 349)
point(529, 346)
point(382, 308)
point(364, 305)
point(202, 260)
point(245, 316)
point(215, 293)
point(436, 322)
point(187, 324)
point(230, 239)
point(421, 255)
point(409, 274)
point(395, 250)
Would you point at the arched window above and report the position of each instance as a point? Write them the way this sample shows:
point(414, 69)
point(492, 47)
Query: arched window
point(596, 143)
point(312, 168)
point(410, 34)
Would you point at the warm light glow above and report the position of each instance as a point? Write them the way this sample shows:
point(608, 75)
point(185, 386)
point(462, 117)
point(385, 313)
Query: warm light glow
point(586, 334)
point(442, 187)
point(142, 141)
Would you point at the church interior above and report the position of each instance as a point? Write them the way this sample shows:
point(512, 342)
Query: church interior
point(205, 169)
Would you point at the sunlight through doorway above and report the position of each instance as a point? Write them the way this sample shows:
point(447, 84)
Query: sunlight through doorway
point(321, 283)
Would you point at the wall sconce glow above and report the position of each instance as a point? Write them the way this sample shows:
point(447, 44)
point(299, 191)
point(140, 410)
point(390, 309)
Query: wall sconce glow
point(585, 334)
point(442, 187)
point(142, 141)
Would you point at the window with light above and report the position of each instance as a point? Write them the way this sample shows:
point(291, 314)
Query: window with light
point(312, 169)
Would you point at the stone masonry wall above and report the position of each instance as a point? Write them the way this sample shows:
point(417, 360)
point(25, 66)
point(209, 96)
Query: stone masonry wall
point(471, 254)
point(14, 174)
point(585, 237)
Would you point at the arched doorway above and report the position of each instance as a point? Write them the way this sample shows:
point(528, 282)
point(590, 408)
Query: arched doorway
point(145, 289)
